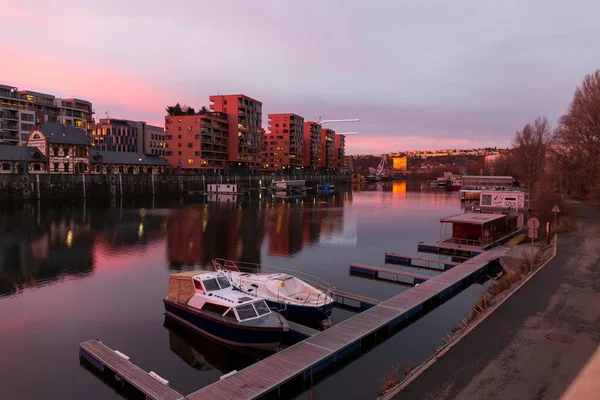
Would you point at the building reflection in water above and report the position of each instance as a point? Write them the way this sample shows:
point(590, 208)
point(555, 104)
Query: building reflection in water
point(39, 246)
point(197, 234)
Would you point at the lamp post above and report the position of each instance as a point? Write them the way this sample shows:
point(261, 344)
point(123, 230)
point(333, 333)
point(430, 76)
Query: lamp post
point(140, 166)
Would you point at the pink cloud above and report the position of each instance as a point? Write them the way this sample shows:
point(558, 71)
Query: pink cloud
point(104, 87)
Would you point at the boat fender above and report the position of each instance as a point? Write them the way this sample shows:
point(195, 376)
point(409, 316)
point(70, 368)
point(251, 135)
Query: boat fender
point(122, 355)
point(159, 378)
point(227, 375)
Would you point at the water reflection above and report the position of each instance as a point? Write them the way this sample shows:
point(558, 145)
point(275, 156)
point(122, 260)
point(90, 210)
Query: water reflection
point(204, 354)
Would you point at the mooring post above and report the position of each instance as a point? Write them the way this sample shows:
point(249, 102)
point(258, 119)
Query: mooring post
point(83, 181)
point(37, 179)
point(121, 184)
point(153, 184)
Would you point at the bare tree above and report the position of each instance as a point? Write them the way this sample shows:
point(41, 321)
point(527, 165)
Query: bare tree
point(529, 151)
point(578, 138)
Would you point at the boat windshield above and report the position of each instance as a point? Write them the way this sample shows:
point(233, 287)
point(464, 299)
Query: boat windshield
point(223, 282)
point(261, 307)
point(210, 285)
point(246, 312)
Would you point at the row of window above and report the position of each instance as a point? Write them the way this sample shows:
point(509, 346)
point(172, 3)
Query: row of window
point(80, 151)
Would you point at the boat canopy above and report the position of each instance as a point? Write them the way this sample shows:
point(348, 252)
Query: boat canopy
point(181, 286)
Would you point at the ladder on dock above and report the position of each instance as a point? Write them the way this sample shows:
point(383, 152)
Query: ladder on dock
point(375, 273)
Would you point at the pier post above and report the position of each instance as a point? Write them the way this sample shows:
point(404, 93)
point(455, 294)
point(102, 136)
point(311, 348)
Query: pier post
point(152, 184)
point(83, 181)
point(37, 179)
point(121, 184)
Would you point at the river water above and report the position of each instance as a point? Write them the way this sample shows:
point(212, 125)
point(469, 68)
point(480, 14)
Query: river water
point(75, 272)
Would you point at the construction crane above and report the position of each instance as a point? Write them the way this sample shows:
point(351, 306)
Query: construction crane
point(329, 121)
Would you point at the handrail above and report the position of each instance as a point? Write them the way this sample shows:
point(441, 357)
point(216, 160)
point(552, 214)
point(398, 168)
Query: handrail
point(221, 263)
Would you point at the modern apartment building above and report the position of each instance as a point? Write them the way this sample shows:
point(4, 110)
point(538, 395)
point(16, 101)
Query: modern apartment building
point(244, 116)
point(197, 142)
point(339, 151)
point(312, 145)
point(284, 145)
point(17, 116)
point(22, 110)
point(153, 140)
point(112, 134)
point(327, 148)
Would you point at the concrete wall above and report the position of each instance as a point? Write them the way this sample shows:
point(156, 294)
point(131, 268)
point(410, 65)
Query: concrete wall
point(17, 187)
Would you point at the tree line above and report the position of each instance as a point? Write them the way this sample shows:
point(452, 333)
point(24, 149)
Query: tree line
point(565, 159)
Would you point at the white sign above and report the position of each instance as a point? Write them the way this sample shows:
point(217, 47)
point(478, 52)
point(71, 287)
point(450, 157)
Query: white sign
point(533, 224)
point(555, 209)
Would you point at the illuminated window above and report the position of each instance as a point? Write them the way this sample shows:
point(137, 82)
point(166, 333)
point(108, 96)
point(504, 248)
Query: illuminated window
point(190, 161)
point(189, 128)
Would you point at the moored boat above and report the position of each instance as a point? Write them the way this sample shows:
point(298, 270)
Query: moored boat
point(206, 302)
point(291, 296)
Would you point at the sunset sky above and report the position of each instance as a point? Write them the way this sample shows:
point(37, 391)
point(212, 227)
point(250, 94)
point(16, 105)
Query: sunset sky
point(419, 75)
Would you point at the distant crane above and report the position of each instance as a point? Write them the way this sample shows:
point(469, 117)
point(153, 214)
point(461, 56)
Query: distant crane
point(329, 121)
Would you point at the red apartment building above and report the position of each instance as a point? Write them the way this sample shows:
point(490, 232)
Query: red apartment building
point(339, 151)
point(244, 116)
point(284, 145)
point(312, 145)
point(327, 148)
point(197, 142)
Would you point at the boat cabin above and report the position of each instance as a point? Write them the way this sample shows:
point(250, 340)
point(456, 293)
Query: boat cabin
point(479, 230)
point(503, 199)
point(227, 188)
point(298, 184)
point(211, 292)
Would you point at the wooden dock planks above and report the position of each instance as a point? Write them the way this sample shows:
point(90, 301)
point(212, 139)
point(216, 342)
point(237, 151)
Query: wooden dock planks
point(413, 261)
point(130, 372)
point(362, 269)
point(258, 379)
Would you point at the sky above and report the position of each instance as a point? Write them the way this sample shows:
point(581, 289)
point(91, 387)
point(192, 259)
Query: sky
point(418, 74)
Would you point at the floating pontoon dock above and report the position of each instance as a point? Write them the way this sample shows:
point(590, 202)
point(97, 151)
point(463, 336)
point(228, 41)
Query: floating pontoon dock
point(328, 349)
point(107, 361)
point(375, 272)
point(419, 262)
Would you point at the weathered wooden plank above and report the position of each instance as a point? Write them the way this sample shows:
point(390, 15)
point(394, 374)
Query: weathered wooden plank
point(129, 371)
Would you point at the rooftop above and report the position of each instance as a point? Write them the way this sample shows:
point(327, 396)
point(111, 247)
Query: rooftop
point(61, 134)
point(118, 157)
point(487, 177)
point(20, 153)
point(473, 218)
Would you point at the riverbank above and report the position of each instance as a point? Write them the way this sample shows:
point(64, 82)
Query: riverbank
point(19, 187)
point(535, 343)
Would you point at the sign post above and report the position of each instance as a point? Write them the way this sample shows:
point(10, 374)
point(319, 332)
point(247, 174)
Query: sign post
point(533, 224)
point(555, 210)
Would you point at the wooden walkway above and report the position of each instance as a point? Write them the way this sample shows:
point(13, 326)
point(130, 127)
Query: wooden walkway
point(419, 262)
point(374, 272)
point(339, 342)
point(102, 358)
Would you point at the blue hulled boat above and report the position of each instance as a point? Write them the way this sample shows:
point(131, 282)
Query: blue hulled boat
point(206, 302)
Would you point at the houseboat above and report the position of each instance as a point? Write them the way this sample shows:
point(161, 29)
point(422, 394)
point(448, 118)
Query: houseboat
point(476, 231)
point(225, 188)
point(503, 199)
point(291, 296)
point(483, 182)
point(290, 186)
point(206, 302)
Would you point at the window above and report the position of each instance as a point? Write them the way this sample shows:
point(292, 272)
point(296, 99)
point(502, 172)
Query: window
point(284, 125)
point(230, 314)
point(190, 145)
point(224, 101)
point(66, 151)
point(179, 153)
point(66, 167)
point(55, 167)
point(36, 167)
point(179, 128)
point(223, 282)
point(214, 308)
point(190, 161)
point(276, 125)
point(5, 167)
point(55, 150)
point(178, 136)
point(210, 285)
point(178, 144)
point(261, 307)
point(189, 128)
point(486, 199)
point(246, 312)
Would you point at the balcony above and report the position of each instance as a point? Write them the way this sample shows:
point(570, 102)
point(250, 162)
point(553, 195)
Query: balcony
point(9, 114)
